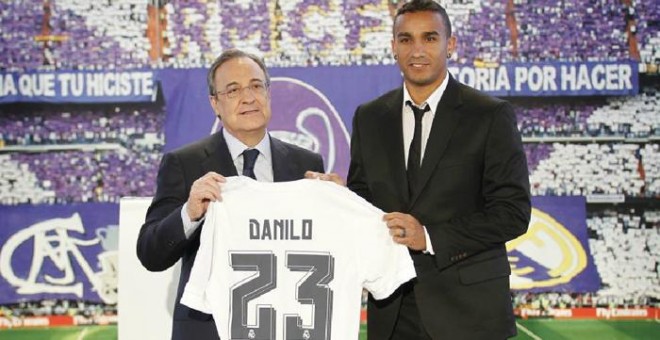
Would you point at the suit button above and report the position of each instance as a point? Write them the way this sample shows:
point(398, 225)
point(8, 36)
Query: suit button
point(170, 243)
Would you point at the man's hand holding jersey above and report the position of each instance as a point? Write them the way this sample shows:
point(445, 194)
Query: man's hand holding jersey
point(332, 177)
point(204, 190)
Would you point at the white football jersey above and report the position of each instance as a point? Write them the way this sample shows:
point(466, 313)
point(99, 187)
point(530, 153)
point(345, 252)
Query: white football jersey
point(284, 261)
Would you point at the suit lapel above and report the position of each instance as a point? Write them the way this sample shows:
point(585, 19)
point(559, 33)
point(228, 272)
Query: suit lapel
point(218, 157)
point(283, 170)
point(392, 137)
point(445, 121)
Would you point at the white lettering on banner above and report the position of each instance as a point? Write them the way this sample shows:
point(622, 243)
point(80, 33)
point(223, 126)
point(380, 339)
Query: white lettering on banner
point(503, 82)
point(621, 312)
point(7, 85)
point(36, 322)
point(119, 84)
point(527, 312)
point(610, 77)
point(483, 78)
point(51, 241)
point(603, 312)
point(16, 322)
point(537, 78)
point(561, 312)
point(37, 84)
point(73, 83)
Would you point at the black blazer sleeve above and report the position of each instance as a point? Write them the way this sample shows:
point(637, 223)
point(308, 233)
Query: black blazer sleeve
point(503, 199)
point(161, 241)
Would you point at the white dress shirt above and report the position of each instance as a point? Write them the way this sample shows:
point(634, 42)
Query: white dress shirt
point(263, 170)
point(408, 119)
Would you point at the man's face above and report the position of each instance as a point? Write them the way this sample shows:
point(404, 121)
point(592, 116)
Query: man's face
point(421, 46)
point(242, 99)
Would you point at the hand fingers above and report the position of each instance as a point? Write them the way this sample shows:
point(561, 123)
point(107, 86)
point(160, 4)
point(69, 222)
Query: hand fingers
point(205, 192)
point(332, 177)
point(394, 215)
point(316, 175)
point(401, 219)
point(312, 174)
point(336, 178)
point(207, 187)
point(397, 232)
point(397, 222)
point(214, 176)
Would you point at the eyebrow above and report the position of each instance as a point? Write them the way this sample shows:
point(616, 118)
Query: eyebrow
point(231, 84)
point(408, 34)
point(235, 83)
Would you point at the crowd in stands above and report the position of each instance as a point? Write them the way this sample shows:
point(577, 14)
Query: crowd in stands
point(19, 185)
point(552, 30)
point(67, 34)
point(567, 169)
point(84, 154)
point(628, 117)
point(552, 300)
point(88, 176)
point(626, 249)
point(57, 307)
point(647, 19)
point(551, 118)
point(78, 124)
point(632, 117)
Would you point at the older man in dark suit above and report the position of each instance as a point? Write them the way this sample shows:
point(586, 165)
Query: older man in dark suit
point(191, 177)
point(447, 162)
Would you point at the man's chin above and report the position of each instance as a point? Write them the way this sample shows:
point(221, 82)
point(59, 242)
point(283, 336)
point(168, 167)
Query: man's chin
point(420, 81)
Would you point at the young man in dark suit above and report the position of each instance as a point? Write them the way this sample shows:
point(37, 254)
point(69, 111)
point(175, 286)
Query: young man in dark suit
point(447, 162)
point(191, 177)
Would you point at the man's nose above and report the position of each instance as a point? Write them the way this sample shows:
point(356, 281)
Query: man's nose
point(418, 49)
point(247, 95)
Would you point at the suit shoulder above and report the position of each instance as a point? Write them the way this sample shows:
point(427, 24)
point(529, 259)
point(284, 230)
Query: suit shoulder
point(377, 103)
point(472, 96)
point(195, 148)
point(296, 150)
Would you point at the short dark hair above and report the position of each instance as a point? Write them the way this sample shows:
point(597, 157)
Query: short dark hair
point(424, 6)
point(227, 56)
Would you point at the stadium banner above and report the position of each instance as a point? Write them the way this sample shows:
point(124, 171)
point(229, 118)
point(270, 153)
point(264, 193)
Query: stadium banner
point(590, 313)
point(55, 321)
point(59, 252)
point(78, 87)
point(616, 78)
point(613, 78)
point(554, 253)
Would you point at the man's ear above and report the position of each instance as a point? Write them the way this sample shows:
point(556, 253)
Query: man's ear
point(451, 46)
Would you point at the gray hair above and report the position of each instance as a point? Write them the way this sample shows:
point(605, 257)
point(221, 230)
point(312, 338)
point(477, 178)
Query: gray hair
point(227, 56)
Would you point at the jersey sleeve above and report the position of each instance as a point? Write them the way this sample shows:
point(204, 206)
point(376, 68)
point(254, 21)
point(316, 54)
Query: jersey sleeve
point(194, 295)
point(386, 264)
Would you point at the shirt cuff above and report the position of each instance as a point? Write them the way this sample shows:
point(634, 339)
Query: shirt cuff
point(429, 245)
point(189, 226)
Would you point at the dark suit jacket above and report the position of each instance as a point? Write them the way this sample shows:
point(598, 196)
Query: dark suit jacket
point(162, 242)
point(473, 196)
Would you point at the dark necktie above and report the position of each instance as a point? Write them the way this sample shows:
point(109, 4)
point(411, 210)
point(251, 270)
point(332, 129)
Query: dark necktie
point(415, 151)
point(249, 158)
